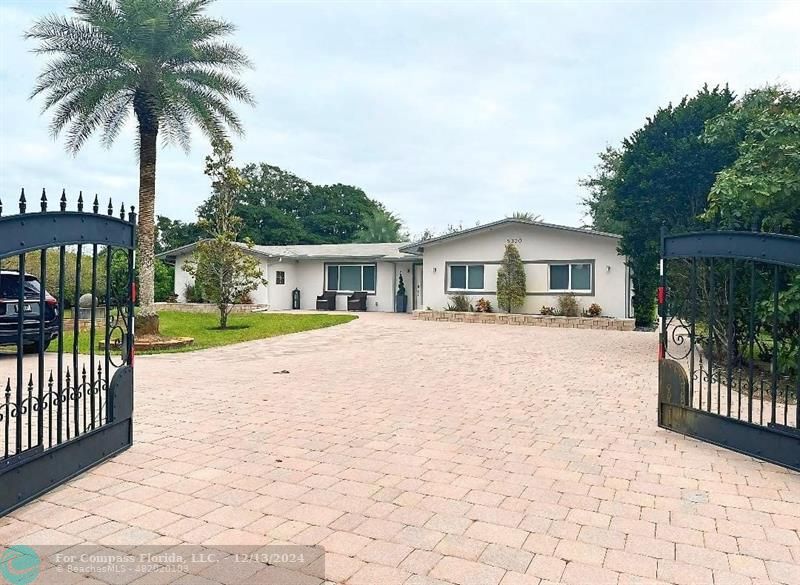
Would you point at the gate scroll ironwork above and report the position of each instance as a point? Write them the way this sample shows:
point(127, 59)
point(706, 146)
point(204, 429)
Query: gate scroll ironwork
point(729, 348)
point(66, 372)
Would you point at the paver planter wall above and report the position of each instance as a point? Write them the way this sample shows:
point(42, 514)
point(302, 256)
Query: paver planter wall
point(530, 320)
point(206, 307)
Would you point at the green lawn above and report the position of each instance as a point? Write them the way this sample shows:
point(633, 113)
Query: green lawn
point(204, 328)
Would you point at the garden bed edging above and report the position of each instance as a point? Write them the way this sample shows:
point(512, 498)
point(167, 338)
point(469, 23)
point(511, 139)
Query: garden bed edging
point(602, 323)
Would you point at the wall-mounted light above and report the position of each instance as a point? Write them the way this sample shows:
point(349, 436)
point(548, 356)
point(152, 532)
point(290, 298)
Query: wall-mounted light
point(608, 268)
point(434, 268)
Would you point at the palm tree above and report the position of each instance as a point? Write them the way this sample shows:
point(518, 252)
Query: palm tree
point(162, 59)
point(526, 216)
point(381, 226)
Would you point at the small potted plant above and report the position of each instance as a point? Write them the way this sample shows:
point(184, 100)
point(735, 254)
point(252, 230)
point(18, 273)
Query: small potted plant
point(401, 300)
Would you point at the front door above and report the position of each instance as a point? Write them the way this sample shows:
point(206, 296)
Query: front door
point(417, 304)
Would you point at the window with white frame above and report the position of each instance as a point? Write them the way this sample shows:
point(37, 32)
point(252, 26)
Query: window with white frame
point(466, 277)
point(280, 277)
point(350, 277)
point(571, 277)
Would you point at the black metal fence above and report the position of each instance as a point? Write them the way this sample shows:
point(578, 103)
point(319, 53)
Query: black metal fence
point(729, 306)
point(66, 377)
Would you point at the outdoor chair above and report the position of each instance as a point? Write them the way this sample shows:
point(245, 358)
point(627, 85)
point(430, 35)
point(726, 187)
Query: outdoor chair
point(326, 301)
point(357, 301)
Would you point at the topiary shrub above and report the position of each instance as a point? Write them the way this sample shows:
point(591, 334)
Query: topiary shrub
point(511, 280)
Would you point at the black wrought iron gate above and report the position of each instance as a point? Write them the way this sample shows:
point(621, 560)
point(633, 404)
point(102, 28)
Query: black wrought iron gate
point(66, 345)
point(729, 355)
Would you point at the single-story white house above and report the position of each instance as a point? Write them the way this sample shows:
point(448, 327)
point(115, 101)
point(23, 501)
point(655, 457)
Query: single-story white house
point(557, 259)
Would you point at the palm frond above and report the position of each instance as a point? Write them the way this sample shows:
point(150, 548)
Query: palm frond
point(221, 55)
point(221, 84)
point(70, 36)
point(112, 50)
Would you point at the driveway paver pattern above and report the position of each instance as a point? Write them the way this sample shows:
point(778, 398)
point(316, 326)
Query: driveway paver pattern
point(421, 453)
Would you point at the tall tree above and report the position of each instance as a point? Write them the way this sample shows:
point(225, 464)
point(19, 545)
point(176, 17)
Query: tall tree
point(663, 177)
point(511, 284)
point(381, 226)
point(174, 233)
point(278, 207)
point(763, 183)
point(222, 268)
point(164, 60)
point(599, 203)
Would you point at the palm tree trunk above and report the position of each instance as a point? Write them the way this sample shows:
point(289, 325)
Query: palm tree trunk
point(147, 319)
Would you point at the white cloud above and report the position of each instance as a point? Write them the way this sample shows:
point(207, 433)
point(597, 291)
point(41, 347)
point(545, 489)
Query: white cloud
point(445, 112)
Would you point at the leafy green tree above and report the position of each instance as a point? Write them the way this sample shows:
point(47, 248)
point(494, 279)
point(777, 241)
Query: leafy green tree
point(763, 185)
point(174, 233)
point(381, 226)
point(277, 207)
point(334, 213)
point(599, 203)
point(763, 182)
point(662, 177)
point(161, 59)
point(223, 269)
point(511, 280)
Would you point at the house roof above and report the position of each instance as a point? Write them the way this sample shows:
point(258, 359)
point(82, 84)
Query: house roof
point(388, 251)
point(417, 247)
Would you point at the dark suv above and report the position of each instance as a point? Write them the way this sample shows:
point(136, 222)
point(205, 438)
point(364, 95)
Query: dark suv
point(32, 312)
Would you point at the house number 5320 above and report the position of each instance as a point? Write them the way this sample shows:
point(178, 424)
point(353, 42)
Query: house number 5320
point(513, 240)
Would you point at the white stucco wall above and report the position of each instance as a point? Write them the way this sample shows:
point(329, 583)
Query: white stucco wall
point(260, 295)
point(537, 246)
point(309, 277)
point(311, 281)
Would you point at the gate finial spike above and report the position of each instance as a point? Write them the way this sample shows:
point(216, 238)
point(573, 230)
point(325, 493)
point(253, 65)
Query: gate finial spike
point(63, 200)
point(22, 203)
point(122, 211)
point(8, 388)
point(43, 200)
point(110, 207)
point(80, 201)
point(96, 204)
point(1, 207)
point(132, 215)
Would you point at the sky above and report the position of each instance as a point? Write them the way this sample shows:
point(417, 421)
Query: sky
point(446, 112)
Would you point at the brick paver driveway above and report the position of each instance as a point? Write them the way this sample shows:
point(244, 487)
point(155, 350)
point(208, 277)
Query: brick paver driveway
point(430, 452)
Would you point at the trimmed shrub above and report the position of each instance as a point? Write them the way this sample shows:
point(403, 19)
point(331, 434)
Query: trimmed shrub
point(568, 305)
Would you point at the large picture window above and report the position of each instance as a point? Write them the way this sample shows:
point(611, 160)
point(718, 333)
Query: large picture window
point(351, 277)
point(573, 277)
point(466, 277)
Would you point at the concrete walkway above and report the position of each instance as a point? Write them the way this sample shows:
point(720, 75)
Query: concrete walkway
point(418, 452)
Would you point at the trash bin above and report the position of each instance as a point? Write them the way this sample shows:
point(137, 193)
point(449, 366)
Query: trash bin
point(296, 299)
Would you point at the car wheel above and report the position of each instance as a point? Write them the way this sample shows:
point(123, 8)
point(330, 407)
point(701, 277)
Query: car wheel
point(34, 347)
